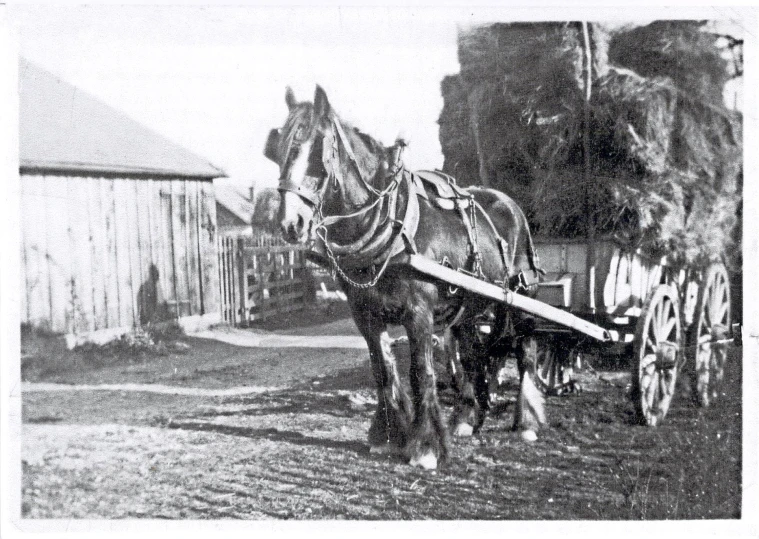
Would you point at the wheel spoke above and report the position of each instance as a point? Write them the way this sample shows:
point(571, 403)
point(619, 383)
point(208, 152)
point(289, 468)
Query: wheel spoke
point(722, 315)
point(652, 390)
point(663, 386)
point(707, 318)
point(712, 307)
point(668, 327)
point(702, 328)
point(547, 364)
point(719, 289)
point(550, 372)
point(705, 338)
point(656, 321)
point(648, 361)
point(645, 383)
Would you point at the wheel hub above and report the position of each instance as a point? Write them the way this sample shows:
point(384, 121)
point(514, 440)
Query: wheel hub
point(666, 355)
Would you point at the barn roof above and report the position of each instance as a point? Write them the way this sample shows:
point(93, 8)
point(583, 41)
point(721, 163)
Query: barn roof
point(235, 202)
point(65, 129)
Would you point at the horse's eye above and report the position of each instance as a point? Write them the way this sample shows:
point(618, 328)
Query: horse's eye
point(300, 134)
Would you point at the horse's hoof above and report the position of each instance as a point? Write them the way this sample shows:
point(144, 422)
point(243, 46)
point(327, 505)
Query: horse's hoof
point(384, 449)
point(428, 461)
point(528, 435)
point(463, 430)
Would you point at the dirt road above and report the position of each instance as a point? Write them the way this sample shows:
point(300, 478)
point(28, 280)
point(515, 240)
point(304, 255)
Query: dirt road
point(299, 451)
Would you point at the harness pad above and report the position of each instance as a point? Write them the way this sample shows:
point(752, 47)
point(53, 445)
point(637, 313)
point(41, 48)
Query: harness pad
point(439, 184)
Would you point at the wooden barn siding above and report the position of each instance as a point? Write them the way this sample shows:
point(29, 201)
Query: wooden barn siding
point(88, 244)
point(207, 234)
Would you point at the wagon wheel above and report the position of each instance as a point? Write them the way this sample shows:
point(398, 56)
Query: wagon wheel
point(711, 323)
point(552, 367)
point(656, 345)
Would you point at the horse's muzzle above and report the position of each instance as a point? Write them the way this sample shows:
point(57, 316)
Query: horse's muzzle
point(294, 231)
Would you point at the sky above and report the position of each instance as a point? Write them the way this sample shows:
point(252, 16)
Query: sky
point(213, 78)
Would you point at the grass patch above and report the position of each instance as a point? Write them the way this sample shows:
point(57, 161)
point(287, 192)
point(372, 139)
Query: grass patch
point(44, 354)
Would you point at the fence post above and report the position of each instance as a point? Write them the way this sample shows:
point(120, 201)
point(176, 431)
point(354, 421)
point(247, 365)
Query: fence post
point(231, 284)
point(242, 277)
point(277, 278)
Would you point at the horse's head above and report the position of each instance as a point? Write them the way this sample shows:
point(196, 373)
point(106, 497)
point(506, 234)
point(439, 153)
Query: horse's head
point(315, 171)
point(298, 150)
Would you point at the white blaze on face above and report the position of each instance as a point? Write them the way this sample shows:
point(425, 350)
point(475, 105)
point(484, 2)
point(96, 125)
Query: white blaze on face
point(299, 166)
point(296, 214)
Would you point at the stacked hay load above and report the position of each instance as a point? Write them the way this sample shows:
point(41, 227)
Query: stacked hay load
point(665, 154)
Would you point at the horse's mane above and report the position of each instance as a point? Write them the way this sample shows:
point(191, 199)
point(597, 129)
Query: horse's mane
point(362, 143)
point(373, 145)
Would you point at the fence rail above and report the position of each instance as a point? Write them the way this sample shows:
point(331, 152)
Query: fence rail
point(260, 278)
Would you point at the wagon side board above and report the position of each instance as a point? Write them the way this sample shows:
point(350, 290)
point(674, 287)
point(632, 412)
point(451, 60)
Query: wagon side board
point(615, 283)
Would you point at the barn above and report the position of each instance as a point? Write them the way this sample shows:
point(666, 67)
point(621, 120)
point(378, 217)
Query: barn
point(234, 212)
point(118, 223)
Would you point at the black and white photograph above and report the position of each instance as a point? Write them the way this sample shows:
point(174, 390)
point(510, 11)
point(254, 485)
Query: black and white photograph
point(381, 264)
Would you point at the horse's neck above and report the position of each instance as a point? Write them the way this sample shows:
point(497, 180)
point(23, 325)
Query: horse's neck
point(369, 168)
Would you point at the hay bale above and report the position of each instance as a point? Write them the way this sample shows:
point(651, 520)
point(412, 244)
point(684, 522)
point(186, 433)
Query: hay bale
point(679, 50)
point(525, 116)
point(456, 142)
point(633, 117)
point(665, 153)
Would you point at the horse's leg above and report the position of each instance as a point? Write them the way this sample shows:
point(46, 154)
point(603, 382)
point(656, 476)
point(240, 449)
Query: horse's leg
point(428, 440)
point(472, 389)
point(529, 414)
point(388, 432)
point(450, 351)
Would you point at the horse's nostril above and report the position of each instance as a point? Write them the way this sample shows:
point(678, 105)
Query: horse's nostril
point(301, 223)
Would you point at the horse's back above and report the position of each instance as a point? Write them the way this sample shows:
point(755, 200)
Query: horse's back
point(510, 222)
point(499, 202)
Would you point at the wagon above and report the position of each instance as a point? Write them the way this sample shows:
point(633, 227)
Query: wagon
point(601, 294)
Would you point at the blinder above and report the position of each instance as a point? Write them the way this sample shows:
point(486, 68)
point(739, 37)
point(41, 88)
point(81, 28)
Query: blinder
point(312, 188)
point(272, 143)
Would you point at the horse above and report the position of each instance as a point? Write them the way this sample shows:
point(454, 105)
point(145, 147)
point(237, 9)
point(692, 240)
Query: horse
point(363, 213)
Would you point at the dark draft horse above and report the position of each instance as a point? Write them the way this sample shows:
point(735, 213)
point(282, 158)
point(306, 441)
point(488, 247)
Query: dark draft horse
point(347, 191)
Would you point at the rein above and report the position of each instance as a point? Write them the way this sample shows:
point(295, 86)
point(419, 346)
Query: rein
point(379, 243)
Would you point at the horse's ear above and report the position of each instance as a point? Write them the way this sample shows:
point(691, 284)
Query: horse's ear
point(290, 98)
point(321, 103)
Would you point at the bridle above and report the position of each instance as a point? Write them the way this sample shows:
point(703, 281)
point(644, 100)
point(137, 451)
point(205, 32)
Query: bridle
point(363, 252)
point(312, 189)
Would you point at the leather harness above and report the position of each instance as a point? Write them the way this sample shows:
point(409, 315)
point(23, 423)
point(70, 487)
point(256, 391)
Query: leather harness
point(387, 237)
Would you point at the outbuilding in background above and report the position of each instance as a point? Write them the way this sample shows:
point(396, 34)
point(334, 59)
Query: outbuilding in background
point(118, 223)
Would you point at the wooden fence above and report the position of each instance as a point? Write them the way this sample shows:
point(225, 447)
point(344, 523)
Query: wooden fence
point(260, 277)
